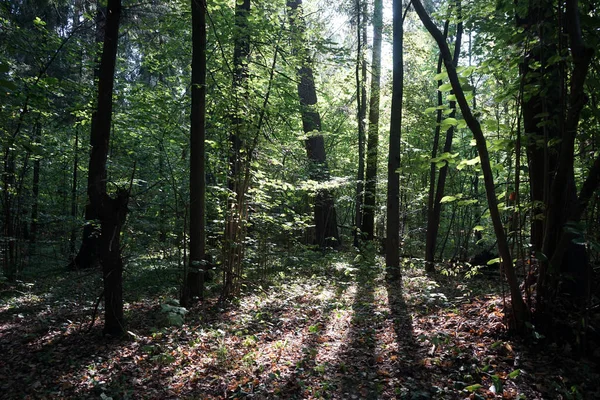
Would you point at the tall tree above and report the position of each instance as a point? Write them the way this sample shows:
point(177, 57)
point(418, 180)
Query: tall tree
point(111, 212)
point(392, 250)
point(235, 224)
point(324, 207)
point(368, 223)
point(361, 111)
point(194, 282)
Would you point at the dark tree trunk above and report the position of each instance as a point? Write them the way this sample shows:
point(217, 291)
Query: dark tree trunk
point(392, 253)
point(361, 112)
point(194, 282)
point(8, 183)
point(235, 224)
point(368, 223)
point(111, 212)
point(324, 208)
point(35, 189)
point(74, 183)
point(432, 226)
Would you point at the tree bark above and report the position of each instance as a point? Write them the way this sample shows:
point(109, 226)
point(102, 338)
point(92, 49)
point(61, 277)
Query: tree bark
point(194, 282)
point(111, 212)
point(361, 112)
point(324, 207)
point(432, 227)
point(392, 251)
point(368, 223)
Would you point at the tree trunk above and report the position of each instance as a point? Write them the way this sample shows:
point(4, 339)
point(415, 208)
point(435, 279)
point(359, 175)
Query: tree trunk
point(432, 226)
point(392, 253)
point(235, 223)
point(35, 190)
point(194, 282)
point(361, 112)
point(111, 212)
point(520, 313)
point(324, 208)
point(368, 223)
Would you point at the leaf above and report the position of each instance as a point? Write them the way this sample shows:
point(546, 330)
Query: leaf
point(450, 121)
point(448, 199)
point(493, 261)
point(514, 374)
point(440, 76)
point(445, 87)
point(473, 388)
point(38, 22)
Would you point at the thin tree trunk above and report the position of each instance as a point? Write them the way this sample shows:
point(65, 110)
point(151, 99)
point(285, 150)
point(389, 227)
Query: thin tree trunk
point(432, 227)
point(74, 183)
point(392, 253)
point(194, 282)
point(361, 111)
point(235, 224)
point(368, 223)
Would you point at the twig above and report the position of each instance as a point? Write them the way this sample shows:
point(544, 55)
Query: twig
point(95, 312)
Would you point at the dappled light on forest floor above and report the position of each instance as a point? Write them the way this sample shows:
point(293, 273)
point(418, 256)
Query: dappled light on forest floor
point(342, 333)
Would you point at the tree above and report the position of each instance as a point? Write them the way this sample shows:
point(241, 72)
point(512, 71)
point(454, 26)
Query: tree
point(111, 211)
point(392, 250)
point(368, 223)
point(324, 207)
point(361, 111)
point(236, 211)
point(194, 281)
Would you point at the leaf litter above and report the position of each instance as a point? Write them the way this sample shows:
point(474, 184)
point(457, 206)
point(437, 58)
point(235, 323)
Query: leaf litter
point(333, 335)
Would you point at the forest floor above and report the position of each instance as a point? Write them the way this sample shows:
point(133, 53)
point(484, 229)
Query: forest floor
point(336, 331)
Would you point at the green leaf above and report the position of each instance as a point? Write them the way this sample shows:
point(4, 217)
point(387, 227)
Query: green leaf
point(479, 228)
point(448, 199)
point(514, 374)
point(473, 388)
point(493, 261)
point(440, 76)
point(445, 87)
point(38, 22)
point(450, 121)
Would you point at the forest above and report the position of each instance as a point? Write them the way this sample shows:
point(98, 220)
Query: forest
point(299, 199)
